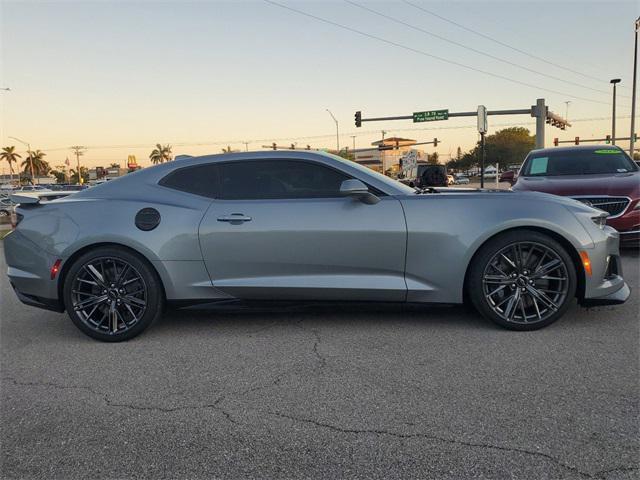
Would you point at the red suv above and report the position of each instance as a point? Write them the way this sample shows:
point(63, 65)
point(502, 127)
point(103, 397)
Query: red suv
point(602, 176)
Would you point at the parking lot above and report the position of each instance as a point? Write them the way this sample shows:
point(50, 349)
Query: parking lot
point(323, 393)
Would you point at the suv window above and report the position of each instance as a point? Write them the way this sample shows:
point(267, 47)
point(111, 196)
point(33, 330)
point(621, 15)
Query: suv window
point(199, 180)
point(261, 179)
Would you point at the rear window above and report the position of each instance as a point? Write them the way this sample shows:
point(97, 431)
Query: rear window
point(199, 180)
point(578, 162)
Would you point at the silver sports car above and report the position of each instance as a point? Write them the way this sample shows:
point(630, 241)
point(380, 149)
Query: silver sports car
point(303, 226)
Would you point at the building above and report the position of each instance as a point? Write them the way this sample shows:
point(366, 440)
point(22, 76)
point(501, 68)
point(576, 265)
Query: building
point(101, 173)
point(385, 160)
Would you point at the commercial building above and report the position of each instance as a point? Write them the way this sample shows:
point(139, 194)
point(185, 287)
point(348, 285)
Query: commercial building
point(387, 160)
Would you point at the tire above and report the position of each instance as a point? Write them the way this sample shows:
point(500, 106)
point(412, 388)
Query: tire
point(522, 280)
point(116, 283)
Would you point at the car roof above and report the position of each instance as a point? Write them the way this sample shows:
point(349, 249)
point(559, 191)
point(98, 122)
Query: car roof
point(157, 172)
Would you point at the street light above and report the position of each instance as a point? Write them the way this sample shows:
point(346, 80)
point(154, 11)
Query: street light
point(633, 95)
point(30, 158)
point(614, 82)
point(337, 131)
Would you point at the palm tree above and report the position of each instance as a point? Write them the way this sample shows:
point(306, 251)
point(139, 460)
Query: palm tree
point(9, 154)
point(160, 154)
point(40, 165)
point(114, 165)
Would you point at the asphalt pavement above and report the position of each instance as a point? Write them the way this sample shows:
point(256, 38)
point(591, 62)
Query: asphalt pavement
point(330, 392)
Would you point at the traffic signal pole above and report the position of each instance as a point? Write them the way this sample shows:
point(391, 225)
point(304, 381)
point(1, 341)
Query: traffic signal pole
point(540, 111)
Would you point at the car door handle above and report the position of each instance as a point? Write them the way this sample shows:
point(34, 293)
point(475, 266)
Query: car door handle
point(234, 218)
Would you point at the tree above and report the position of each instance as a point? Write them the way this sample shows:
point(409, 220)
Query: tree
point(160, 154)
point(506, 147)
point(228, 150)
point(433, 158)
point(84, 172)
point(114, 165)
point(9, 154)
point(40, 165)
point(60, 172)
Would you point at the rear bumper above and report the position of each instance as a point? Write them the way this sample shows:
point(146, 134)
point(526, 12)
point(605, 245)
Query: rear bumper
point(52, 304)
point(29, 272)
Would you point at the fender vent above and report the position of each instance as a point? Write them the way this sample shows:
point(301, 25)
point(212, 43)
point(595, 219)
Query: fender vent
point(147, 219)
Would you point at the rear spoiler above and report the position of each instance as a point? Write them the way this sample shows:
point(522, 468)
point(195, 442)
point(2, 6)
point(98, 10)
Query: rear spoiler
point(31, 198)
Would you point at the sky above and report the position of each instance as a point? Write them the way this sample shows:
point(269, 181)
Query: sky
point(119, 77)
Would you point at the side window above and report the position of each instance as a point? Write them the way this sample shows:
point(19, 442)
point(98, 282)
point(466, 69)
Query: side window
point(261, 179)
point(199, 180)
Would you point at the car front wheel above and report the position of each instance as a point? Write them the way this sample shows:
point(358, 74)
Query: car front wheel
point(522, 280)
point(111, 294)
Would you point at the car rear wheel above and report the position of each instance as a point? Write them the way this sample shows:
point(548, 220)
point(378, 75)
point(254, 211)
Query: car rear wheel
point(522, 280)
point(111, 294)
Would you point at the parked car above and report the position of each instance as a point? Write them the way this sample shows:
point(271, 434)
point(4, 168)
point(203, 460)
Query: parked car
point(461, 179)
point(303, 226)
point(32, 188)
point(6, 207)
point(424, 175)
point(509, 176)
point(602, 176)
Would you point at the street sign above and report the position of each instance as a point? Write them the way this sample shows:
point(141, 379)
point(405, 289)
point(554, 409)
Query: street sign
point(430, 116)
point(483, 125)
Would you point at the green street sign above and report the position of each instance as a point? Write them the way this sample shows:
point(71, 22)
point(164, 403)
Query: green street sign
point(430, 116)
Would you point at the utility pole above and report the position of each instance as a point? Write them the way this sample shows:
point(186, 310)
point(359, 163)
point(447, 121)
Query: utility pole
point(246, 146)
point(633, 94)
point(78, 150)
point(337, 131)
point(353, 138)
point(541, 120)
point(382, 155)
point(566, 113)
point(614, 82)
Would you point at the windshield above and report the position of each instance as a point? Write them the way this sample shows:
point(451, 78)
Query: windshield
point(578, 162)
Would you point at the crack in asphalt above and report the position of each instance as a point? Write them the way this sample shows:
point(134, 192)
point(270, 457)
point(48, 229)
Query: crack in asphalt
point(546, 456)
point(130, 406)
point(276, 381)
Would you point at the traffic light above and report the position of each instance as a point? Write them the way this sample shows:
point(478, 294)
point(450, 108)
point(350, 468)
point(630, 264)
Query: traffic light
point(555, 142)
point(577, 140)
point(607, 139)
point(358, 118)
point(435, 142)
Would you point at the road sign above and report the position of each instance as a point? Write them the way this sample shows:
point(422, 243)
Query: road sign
point(430, 116)
point(483, 124)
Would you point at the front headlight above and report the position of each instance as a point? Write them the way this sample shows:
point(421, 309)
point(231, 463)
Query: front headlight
point(600, 221)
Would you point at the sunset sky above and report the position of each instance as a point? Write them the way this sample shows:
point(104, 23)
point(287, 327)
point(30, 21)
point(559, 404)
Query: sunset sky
point(119, 77)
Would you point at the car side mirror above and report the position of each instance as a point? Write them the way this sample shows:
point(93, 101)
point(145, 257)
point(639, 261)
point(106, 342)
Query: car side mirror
point(358, 190)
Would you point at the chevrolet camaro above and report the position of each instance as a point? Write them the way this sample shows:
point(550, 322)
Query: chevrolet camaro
point(303, 226)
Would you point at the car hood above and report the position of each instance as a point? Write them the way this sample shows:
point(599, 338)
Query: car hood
point(621, 184)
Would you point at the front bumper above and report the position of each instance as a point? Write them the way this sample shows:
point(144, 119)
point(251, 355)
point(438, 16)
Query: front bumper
point(615, 298)
point(605, 285)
